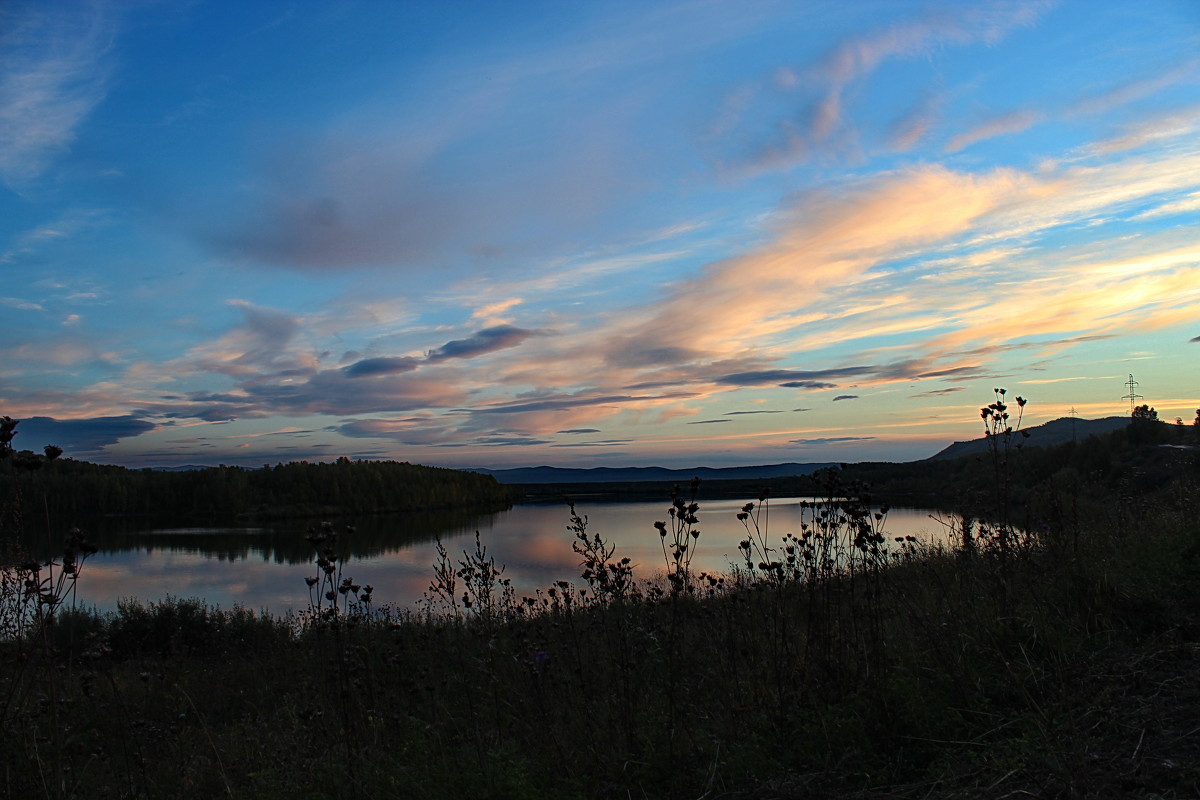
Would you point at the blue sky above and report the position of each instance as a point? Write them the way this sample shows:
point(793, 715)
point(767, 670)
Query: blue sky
point(582, 234)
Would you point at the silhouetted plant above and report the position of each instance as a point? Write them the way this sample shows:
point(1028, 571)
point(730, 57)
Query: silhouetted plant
point(1001, 430)
point(609, 580)
point(678, 537)
point(443, 588)
point(331, 594)
point(486, 592)
point(757, 554)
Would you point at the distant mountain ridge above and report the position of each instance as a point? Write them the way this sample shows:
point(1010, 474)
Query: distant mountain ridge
point(1048, 434)
point(640, 474)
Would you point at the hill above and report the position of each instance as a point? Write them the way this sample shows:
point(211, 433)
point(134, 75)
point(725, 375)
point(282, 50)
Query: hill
point(537, 475)
point(1048, 434)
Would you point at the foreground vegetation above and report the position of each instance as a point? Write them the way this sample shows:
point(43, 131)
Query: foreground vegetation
point(1057, 659)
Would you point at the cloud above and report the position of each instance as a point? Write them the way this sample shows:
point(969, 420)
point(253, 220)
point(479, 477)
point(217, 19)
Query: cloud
point(406, 191)
point(304, 391)
point(940, 392)
point(842, 255)
point(1129, 91)
point(837, 261)
point(1194, 340)
point(1002, 125)
point(509, 441)
point(1156, 129)
point(808, 385)
point(260, 341)
point(709, 421)
point(54, 70)
point(736, 413)
point(22, 305)
point(485, 341)
point(415, 431)
point(629, 352)
point(78, 437)
point(491, 311)
point(25, 246)
point(601, 443)
point(59, 351)
point(381, 366)
point(829, 440)
point(968, 370)
point(824, 124)
point(909, 130)
point(560, 402)
point(1183, 205)
point(797, 379)
point(825, 241)
point(845, 397)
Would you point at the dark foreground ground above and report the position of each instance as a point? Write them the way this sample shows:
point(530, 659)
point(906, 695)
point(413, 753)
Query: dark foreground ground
point(1055, 661)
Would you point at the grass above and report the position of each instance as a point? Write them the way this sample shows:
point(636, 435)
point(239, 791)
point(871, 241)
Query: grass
point(943, 677)
point(1059, 662)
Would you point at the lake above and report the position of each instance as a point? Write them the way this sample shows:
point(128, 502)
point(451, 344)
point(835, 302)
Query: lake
point(265, 567)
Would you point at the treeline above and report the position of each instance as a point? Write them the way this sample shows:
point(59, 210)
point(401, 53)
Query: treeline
point(1144, 458)
point(78, 489)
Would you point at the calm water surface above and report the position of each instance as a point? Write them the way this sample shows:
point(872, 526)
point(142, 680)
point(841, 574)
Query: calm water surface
point(264, 567)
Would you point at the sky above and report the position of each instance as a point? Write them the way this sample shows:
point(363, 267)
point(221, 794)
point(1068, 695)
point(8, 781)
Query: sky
point(693, 233)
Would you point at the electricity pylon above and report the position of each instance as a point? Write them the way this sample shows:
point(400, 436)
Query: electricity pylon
point(1133, 396)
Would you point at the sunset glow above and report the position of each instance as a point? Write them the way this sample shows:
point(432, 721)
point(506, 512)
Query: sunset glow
point(590, 234)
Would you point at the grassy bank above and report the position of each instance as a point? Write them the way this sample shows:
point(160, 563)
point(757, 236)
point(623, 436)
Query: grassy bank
point(1061, 664)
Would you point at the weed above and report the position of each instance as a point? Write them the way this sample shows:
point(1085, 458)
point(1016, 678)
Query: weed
point(608, 580)
point(1000, 429)
point(678, 537)
point(332, 595)
point(486, 593)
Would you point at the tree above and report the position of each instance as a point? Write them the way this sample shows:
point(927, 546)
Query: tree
point(1146, 413)
point(1144, 428)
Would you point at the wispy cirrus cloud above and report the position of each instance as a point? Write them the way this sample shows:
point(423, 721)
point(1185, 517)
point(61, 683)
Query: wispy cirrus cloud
point(1001, 125)
point(1137, 88)
point(1182, 205)
point(53, 71)
point(1116, 97)
point(825, 122)
point(909, 130)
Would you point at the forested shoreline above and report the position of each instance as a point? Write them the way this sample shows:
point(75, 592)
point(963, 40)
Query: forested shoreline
point(73, 489)
point(1141, 458)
